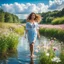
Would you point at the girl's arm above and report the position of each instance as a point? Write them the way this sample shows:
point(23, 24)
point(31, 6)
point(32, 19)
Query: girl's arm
point(25, 33)
point(26, 30)
point(38, 33)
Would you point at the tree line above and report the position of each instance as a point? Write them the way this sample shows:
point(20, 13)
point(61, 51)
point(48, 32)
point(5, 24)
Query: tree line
point(8, 17)
point(48, 17)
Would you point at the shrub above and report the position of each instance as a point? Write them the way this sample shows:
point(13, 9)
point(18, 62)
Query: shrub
point(8, 41)
point(9, 34)
point(58, 20)
point(52, 32)
point(51, 53)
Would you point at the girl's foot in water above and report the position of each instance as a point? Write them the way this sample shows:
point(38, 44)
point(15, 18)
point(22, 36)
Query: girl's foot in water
point(33, 56)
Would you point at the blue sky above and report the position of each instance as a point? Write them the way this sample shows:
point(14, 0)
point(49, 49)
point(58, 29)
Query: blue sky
point(22, 8)
point(24, 1)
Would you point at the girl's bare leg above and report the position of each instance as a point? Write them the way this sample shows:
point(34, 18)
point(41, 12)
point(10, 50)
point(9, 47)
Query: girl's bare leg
point(32, 49)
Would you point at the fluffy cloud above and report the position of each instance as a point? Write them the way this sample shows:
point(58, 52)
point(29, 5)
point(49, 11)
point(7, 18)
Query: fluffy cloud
point(22, 16)
point(56, 4)
point(22, 10)
point(18, 8)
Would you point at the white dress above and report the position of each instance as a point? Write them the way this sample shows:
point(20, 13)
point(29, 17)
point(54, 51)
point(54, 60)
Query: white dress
point(32, 31)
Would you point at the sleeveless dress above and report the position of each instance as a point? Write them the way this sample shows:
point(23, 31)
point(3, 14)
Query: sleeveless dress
point(32, 31)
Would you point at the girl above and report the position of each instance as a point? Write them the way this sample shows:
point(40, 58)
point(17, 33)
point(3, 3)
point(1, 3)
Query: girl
point(32, 30)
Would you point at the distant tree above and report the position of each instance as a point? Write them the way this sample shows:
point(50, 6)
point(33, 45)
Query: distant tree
point(49, 16)
point(49, 19)
point(14, 19)
point(1, 10)
point(17, 19)
point(2, 17)
point(23, 20)
point(8, 17)
point(62, 12)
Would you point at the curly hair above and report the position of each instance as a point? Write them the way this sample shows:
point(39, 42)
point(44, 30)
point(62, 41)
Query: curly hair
point(37, 17)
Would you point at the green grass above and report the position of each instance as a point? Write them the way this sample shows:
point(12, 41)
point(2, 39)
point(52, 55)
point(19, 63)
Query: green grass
point(8, 41)
point(48, 55)
point(9, 34)
point(53, 32)
point(44, 59)
point(14, 27)
point(58, 20)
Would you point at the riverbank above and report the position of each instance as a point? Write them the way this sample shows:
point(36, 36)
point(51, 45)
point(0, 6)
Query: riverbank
point(61, 26)
point(55, 31)
point(9, 34)
point(49, 53)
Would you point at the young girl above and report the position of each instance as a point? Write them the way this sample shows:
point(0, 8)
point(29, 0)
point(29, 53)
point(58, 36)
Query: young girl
point(32, 30)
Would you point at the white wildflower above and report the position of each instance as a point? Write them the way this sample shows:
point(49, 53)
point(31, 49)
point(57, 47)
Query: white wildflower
point(47, 54)
point(56, 59)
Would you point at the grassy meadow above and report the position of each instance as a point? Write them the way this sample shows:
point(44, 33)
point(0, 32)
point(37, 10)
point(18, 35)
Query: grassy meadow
point(51, 54)
point(9, 34)
point(53, 32)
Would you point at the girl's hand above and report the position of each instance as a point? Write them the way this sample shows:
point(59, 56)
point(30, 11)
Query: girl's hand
point(24, 36)
point(38, 33)
point(25, 33)
point(38, 36)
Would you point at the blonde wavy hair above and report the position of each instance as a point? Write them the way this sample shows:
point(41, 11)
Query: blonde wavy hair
point(37, 17)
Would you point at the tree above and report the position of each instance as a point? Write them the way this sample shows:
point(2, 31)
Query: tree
point(1, 17)
point(1, 10)
point(8, 17)
point(49, 16)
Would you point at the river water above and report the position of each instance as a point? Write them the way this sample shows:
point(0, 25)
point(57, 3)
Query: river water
point(22, 56)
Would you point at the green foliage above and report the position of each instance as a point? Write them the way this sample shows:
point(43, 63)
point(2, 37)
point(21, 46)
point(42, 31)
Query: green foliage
point(51, 15)
point(15, 27)
point(9, 36)
point(59, 20)
point(49, 19)
point(12, 41)
point(45, 59)
point(23, 20)
point(19, 30)
point(1, 11)
point(50, 57)
point(62, 57)
point(1, 17)
point(8, 17)
point(8, 41)
point(58, 33)
point(15, 19)
point(48, 53)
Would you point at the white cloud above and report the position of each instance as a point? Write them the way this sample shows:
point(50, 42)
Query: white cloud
point(22, 16)
point(22, 10)
point(42, 7)
point(56, 4)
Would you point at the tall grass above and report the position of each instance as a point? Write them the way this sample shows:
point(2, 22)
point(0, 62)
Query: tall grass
point(15, 27)
point(58, 21)
point(51, 53)
point(8, 41)
point(53, 32)
point(9, 34)
point(51, 58)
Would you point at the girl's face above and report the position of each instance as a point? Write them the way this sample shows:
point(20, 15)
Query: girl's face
point(33, 16)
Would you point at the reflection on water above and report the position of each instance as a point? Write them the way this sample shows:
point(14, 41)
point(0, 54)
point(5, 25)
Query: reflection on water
point(21, 56)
